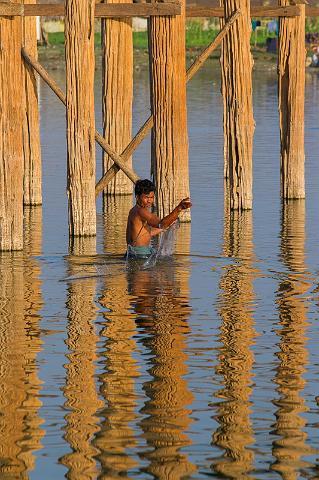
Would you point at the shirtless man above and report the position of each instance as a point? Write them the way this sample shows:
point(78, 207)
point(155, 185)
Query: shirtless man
point(142, 224)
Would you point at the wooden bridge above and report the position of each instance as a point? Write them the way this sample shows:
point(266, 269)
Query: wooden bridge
point(20, 157)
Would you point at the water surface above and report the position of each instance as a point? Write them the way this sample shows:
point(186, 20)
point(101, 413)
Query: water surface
point(204, 366)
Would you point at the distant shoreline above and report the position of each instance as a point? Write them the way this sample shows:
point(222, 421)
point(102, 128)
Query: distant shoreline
point(52, 57)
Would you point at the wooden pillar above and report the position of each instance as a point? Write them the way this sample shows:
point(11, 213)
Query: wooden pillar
point(236, 63)
point(11, 152)
point(168, 105)
point(291, 71)
point(79, 52)
point(116, 211)
point(117, 95)
point(31, 131)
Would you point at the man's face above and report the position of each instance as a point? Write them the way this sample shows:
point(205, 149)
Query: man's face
point(146, 200)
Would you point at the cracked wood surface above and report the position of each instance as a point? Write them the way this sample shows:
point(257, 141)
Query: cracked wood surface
point(291, 82)
point(11, 151)
point(79, 54)
point(169, 109)
point(236, 63)
point(117, 95)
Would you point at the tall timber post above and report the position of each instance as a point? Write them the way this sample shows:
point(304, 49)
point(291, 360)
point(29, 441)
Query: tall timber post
point(236, 65)
point(79, 53)
point(32, 180)
point(11, 151)
point(291, 70)
point(168, 104)
point(117, 95)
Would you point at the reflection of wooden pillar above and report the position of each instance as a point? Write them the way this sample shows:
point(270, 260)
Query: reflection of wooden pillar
point(160, 303)
point(117, 40)
point(20, 293)
point(183, 241)
point(117, 437)
point(116, 211)
point(236, 358)
point(33, 303)
point(80, 389)
point(293, 355)
point(12, 350)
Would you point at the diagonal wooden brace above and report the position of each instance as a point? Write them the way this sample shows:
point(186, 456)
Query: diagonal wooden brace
point(117, 159)
point(144, 130)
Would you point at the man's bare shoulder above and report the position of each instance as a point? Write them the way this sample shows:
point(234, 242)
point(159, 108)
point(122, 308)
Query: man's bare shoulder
point(135, 212)
point(144, 215)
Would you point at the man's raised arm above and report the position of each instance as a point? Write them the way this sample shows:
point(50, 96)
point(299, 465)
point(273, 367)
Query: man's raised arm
point(171, 217)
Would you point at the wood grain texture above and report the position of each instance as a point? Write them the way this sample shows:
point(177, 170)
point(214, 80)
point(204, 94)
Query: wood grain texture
point(168, 105)
point(79, 53)
point(291, 71)
point(269, 11)
point(151, 9)
point(31, 128)
point(117, 95)
point(11, 151)
point(236, 63)
point(101, 10)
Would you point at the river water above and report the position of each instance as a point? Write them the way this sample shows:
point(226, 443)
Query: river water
point(203, 366)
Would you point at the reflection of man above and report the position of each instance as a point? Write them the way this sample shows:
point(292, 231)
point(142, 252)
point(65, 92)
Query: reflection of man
point(142, 224)
point(160, 305)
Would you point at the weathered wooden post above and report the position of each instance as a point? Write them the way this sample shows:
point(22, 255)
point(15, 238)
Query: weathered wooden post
point(291, 71)
point(79, 52)
point(168, 105)
point(117, 95)
point(236, 63)
point(11, 152)
point(31, 131)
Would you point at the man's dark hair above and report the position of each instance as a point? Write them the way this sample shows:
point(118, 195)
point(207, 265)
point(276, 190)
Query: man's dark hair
point(144, 186)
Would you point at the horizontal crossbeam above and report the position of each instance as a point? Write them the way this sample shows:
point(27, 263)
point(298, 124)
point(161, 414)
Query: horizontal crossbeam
point(255, 11)
point(116, 10)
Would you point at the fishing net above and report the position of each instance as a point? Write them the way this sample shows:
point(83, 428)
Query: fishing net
point(165, 247)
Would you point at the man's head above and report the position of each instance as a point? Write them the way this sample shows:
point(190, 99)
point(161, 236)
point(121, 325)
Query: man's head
point(145, 193)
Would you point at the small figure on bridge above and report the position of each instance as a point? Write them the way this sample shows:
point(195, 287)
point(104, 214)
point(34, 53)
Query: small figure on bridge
point(142, 224)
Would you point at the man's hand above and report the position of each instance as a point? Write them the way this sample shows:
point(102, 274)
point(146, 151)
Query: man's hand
point(173, 216)
point(185, 203)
